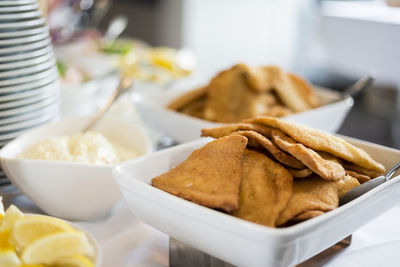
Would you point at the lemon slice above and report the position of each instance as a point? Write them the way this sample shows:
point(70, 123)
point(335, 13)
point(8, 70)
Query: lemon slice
point(49, 249)
point(33, 227)
point(11, 215)
point(4, 241)
point(74, 261)
point(8, 258)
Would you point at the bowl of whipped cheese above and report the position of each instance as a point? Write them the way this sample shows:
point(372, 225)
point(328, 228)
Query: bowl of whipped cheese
point(67, 172)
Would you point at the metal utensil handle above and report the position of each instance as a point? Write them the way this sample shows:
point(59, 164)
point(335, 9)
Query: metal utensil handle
point(392, 171)
point(359, 85)
point(124, 83)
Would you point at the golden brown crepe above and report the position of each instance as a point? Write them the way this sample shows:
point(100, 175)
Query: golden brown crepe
point(309, 214)
point(265, 189)
point(187, 98)
point(360, 177)
point(321, 141)
point(345, 184)
point(259, 141)
point(300, 173)
point(311, 193)
point(228, 129)
point(327, 168)
point(230, 99)
point(358, 169)
point(210, 176)
point(305, 90)
point(196, 108)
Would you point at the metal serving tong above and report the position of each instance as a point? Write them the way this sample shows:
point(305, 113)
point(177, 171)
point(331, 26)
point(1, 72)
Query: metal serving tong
point(367, 186)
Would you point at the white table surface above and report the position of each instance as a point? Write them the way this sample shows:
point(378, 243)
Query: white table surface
point(126, 241)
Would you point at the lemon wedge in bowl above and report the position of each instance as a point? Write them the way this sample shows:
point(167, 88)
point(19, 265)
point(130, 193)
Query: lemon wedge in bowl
point(74, 261)
point(9, 258)
point(49, 249)
point(31, 228)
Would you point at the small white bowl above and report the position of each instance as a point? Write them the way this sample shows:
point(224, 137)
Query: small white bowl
point(74, 191)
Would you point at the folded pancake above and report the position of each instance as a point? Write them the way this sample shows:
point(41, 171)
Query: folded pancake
point(210, 176)
point(265, 189)
point(346, 184)
point(277, 111)
point(305, 90)
point(228, 129)
point(259, 78)
point(300, 173)
point(360, 177)
point(309, 214)
point(321, 141)
point(196, 108)
point(259, 141)
point(328, 169)
point(188, 98)
point(230, 98)
point(310, 194)
point(360, 170)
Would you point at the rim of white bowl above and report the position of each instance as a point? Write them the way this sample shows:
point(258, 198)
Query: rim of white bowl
point(22, 33)
point(26, 39)
point(23, 24)
point(25, 47)
point(21, 8)
point(50, 109)
point(53, 85)
point(31, 78)
point(29, 108)
point(27, 55)
point(29, 70)
point(27, 62)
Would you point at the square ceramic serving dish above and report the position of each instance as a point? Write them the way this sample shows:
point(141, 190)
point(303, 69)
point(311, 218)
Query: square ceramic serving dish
point(183, 128)
point(237, 241)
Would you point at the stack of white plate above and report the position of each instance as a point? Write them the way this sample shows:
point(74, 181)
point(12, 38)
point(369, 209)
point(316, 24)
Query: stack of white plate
point(29, 87)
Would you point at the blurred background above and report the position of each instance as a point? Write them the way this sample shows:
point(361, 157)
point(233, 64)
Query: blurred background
point(331, 43)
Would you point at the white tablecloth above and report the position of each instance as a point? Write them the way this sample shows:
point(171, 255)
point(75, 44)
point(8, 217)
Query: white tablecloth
point(126, 241)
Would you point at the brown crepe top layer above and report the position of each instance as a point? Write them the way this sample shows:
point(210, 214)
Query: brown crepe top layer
point(321, 141)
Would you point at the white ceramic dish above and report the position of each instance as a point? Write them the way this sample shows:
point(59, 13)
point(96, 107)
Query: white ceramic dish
point(25, 47)
point(29, 100)
point(22, 8)
point(32, 62)
point(70, 190)
point(28, 123)
point(23, 40)
point(25, 15)
point(52, 72)
point(33, 85)
point(27, 55)
point(16, 2)
point(50, 109)
point(29, 108)
point(23, 24)
point(22, 33)
point(237, 241)
point(29, 93)
point(184, 128)
point(28, 70)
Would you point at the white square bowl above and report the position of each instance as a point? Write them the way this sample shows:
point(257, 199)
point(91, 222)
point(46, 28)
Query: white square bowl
point(183, 128)
point(237, 241)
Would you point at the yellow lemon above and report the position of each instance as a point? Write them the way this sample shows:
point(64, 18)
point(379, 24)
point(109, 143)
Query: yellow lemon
point(4, 241)
point(33, 227)
point(8, 258)
point(74, 261)
point(12, 215)
point(49, 249)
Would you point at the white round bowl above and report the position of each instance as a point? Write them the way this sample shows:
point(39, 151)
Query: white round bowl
point(27, 55)
point(23, 24)
point(29, 108)
point(28, 62)
point(70, 190)
point(29, 70)
point(24, 15)
point(26, 47)
point(16, 2)
point(32, 85)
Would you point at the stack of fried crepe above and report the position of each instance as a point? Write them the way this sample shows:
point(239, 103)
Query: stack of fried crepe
point(244, 92)
point(270, 171)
